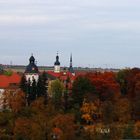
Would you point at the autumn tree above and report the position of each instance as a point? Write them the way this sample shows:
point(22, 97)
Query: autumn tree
point(6, 125)
point(122, 110)
point(33, 121)
point(64, 123)
point(91, 111)
point(106, 86)
point(132, 79)
point(107, 112)
point(137, 129)
point(14, 100)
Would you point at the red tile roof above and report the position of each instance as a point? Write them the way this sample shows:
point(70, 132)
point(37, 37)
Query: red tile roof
point(5, 81)
point(62, 75)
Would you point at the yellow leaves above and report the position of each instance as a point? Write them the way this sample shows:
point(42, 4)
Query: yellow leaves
point(86, 117)
point(88, 110)
point(137, 129)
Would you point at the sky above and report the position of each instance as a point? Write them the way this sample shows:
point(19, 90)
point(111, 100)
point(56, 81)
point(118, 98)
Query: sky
point(99, 33)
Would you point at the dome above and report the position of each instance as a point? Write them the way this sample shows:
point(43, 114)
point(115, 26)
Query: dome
point(32, 59)
point(31, 68)
point(57, 63)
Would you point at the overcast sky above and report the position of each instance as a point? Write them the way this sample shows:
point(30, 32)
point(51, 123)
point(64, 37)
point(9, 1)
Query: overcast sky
point(99, 33)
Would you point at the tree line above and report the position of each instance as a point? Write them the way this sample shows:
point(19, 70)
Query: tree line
point(98, 106)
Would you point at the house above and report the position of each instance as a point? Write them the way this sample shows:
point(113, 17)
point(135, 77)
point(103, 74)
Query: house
point(8, 83)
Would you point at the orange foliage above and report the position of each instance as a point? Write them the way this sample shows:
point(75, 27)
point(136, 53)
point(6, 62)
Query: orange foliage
point(65, 125)
point(89, 110)
point(22, 127)
point(137, 129)
point(15, 100)
point(105, 84)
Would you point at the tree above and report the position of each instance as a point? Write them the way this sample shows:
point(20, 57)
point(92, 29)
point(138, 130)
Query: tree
point(6, 125)
point(91, 111)
point(23, 83)
point(65, 125)
point(42, 85)
point(123, 110)
point(137, 129)
point(14, 100)
point(122, 80)
point(28, 129)
point(106, 87)
point(107, 112)
point(45, 86)
point(56, 89)
point(81, 87)
point(33, 88)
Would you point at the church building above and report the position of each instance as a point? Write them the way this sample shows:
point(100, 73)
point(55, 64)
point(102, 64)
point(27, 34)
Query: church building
point(32, 72)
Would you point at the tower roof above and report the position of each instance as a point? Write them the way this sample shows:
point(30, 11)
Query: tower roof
point(57, 60)
point(31, 68)
point(32, 59)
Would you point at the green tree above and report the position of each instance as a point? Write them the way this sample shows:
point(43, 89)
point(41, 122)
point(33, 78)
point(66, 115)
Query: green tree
point(56, 89)
point(122, 80)
point(81, 87)
point(42, 85)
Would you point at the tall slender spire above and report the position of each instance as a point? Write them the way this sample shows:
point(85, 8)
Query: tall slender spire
point(71, 60)
point(71, 66)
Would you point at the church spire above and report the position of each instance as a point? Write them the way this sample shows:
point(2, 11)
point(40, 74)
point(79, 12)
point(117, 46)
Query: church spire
point(32, 59)
point(71, 60)
point(71, 70)
point(57, 64)
point(57, 60)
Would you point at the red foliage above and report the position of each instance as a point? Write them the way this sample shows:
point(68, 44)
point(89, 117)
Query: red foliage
point(105, 84)
point(133, 83)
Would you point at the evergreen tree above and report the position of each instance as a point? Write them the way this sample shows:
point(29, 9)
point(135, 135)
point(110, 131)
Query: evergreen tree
point(44, 81)
point(81, 87)
point(28, 92)
point(23, 83)
point(42, 86)
point(40, 90)
point(33, 90)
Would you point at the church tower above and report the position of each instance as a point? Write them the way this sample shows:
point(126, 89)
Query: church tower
point(31, 72)
point(71, 70)
point(57, 65)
